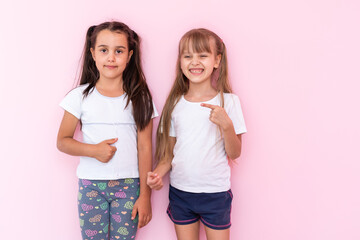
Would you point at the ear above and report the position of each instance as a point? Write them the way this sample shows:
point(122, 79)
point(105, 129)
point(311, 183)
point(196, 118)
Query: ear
point(130, 54)
point(92, 53)
point(217, 61)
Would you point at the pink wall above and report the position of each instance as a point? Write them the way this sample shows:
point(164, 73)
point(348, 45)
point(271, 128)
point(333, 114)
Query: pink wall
point(294, 64)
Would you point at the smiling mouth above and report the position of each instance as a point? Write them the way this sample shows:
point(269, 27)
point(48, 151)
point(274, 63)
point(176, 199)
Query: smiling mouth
point(196, 70)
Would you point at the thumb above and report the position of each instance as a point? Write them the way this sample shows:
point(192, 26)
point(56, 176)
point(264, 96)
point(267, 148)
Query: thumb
point(151, 175)
point(111, 141)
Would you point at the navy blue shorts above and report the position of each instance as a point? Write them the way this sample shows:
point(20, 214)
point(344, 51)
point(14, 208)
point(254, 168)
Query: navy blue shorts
point(212, 209)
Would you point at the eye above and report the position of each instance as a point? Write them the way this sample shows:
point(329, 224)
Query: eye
point(103, 50)
point(187, 56)
point(203, 55)
point(119, 51)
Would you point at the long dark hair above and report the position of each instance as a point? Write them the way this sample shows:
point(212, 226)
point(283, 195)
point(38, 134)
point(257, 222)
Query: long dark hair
point(134, 82)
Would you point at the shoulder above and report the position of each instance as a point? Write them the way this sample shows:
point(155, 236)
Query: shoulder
point(73, 100)
point(179, 102)
point(231, 102)
point(81, 88)
point(77, 91)
point(231, 98)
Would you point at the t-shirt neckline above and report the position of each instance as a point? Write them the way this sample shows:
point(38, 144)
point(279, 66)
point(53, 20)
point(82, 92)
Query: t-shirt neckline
point(210, 100)
point(114, 98)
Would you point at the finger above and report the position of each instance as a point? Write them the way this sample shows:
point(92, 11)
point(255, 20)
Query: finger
point(151, 183)
point(141, 220)
point(211, 113)
point(154, 181)
point(147, 220)
point(158, 185)
point(152, 174)
point(112, 153)
point(149, 178)
point(209, 105)
point(211, 117)
point(134, 212)
point(111, 141)
point(154, 184)
point(114, 149)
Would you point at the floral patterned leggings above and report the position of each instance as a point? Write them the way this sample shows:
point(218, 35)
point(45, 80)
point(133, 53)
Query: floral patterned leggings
point(105, 208)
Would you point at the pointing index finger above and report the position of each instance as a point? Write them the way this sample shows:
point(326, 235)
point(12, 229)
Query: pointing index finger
point(208, 105)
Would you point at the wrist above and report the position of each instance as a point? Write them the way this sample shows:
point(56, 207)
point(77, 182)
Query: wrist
point(228, 126)
point(145, 196)
point(145, 191)
point(91, 150)
point(163, 168)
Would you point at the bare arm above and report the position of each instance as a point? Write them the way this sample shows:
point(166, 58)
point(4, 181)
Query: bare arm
point(143, 205)
point(232, 141)
point(67, 144)
point(154, 179)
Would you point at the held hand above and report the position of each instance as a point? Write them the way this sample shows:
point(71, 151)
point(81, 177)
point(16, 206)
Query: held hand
point(104, 151)
point(154, 181)
point(142, 207)
point(218, 116)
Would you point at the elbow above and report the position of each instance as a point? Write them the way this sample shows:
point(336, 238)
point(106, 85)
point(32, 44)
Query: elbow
point(60, 145)
point(235, 155)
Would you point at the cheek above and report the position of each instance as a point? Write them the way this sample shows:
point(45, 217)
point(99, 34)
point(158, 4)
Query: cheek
point(183, 69)
point(183, 64)
point(122, 60)
point(213, 63)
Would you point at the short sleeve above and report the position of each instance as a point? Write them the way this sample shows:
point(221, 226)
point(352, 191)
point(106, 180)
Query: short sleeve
point(72, 102)
point(172, 129)
point(155, 112)
point(236, 115)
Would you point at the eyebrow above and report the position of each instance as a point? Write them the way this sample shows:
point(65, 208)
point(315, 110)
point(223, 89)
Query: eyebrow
point(115, 46)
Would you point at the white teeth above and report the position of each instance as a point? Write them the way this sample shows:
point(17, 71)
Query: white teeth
point(196, 71)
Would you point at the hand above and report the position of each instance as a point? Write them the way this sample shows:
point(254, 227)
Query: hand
point(142, 207)
point(218, 116)
point(154, 181)
point(104, 151)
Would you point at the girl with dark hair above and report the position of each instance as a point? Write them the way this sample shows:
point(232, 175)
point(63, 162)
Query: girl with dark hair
point(200, 129)
point(115, 109)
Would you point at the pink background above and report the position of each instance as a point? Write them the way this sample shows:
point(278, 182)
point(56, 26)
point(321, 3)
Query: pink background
point(294, 64)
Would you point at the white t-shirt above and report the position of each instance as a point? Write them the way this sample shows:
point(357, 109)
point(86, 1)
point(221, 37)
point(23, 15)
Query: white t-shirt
point(200, 162)
point(105, 118)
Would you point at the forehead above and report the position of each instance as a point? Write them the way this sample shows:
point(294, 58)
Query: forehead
point(109, 38)
point(197, 44)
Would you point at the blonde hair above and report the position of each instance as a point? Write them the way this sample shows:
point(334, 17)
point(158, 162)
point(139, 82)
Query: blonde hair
point(199, 39)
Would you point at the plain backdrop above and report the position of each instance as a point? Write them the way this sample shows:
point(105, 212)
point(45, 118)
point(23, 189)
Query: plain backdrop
point(293, 63)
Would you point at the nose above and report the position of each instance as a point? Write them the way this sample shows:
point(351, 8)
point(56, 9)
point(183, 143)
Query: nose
point(111, 57)
point(195, 60)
